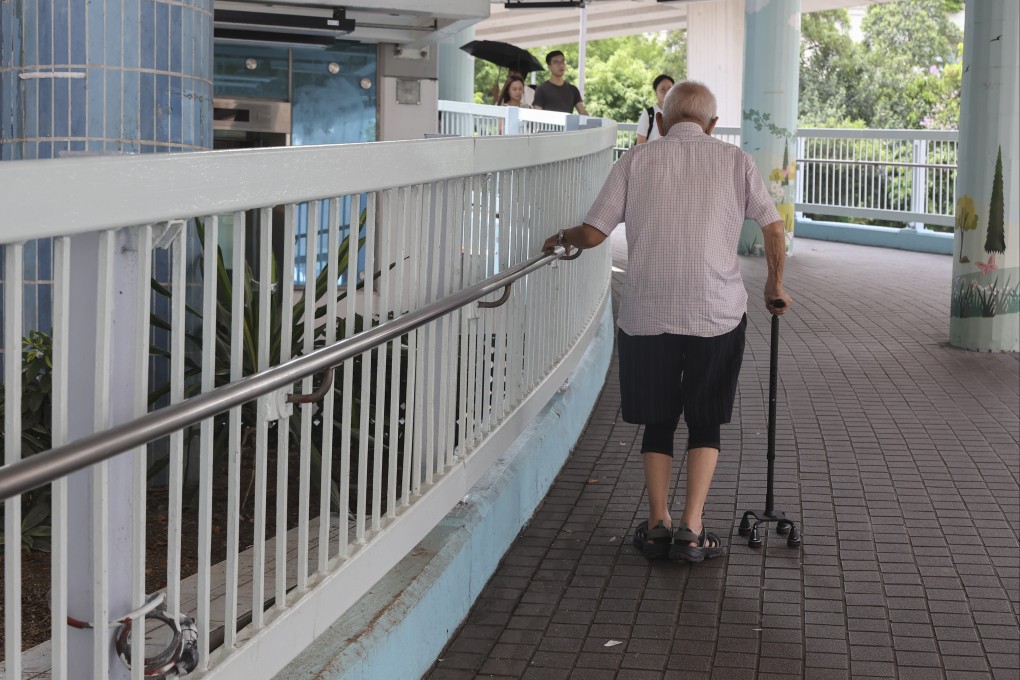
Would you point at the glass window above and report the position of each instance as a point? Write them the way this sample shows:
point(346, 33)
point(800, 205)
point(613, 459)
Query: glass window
point(251, 71)
point(334, 108)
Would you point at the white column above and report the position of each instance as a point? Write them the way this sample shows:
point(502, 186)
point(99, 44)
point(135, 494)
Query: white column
point(582, 49)
point(457, 68)
point(769, 128)
point(984, 308)
point(715, 54)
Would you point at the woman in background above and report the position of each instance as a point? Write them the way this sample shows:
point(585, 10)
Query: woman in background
point(513, 93)
point(647, 130)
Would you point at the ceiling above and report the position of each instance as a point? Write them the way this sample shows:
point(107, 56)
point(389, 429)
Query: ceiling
point(606, 19)
point(411, 23)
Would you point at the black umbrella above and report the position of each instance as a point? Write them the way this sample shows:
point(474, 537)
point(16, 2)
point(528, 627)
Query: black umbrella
point(503, 54)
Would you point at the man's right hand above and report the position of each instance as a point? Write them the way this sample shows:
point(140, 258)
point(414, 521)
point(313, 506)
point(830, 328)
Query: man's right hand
point(773, 293)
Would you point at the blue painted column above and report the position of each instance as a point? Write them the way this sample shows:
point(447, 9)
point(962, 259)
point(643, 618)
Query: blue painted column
point(100, 77)
point(985, 300)
point(104, 76)
point(769, 122)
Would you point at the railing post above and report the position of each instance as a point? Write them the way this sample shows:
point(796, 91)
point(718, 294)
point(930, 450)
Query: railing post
point(101, 391)
point(513, 121)
point(798, 182)
point(919, 182)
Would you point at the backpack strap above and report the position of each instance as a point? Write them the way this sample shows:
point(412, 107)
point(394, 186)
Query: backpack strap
point(651, 120)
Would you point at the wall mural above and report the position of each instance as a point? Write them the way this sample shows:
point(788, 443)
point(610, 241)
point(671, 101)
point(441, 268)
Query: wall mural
point(768, 123)
point(781, 181)
point(987, 291)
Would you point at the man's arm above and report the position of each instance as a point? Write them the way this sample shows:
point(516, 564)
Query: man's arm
point(582, 236)
point(775, 256)
point(580, 108)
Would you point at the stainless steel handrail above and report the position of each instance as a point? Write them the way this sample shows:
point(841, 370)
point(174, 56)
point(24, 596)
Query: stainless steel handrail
point(29, 473)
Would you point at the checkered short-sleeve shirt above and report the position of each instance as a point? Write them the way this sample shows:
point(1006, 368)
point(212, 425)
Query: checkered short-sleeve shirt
point(684, 199)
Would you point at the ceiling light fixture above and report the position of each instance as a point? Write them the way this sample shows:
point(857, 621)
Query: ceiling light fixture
point(544, 4)
point(294, 30)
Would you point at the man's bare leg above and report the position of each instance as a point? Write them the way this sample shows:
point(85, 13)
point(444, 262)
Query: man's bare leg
point(700, 469)
point(658, 473)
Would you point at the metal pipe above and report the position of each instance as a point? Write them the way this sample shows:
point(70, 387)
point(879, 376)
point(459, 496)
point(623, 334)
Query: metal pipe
point(43, 468)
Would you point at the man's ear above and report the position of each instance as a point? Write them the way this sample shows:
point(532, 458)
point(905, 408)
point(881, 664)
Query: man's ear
point(711, 126)
point(660, 124)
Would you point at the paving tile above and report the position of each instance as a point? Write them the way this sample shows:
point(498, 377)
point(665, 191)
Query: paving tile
point(909, 563)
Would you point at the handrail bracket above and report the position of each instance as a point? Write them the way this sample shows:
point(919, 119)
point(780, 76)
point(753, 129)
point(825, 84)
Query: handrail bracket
point(497, 303)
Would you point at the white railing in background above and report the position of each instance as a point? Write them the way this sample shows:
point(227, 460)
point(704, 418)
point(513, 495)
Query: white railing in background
point(469, 120)
point(400, 436)
point(626, 136)
point(898, 175)
point(894, 175)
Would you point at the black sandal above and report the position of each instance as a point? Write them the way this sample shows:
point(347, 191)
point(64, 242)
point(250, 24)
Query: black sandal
point(709, 545)
point(654, 544)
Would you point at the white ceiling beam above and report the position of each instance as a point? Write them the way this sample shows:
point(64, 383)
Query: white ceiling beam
point(540, 27)
point(448, 9)
point(413, 24)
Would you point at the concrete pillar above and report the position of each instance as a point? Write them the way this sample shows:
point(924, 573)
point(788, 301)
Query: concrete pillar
point(715, 54)
point(769, 122)
point(985, 300)
point(457, 69)
point(408, 92)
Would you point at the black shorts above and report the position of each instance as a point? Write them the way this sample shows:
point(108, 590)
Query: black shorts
point(664, 376)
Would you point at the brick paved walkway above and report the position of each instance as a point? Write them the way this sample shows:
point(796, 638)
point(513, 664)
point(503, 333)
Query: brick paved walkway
point(898, 454)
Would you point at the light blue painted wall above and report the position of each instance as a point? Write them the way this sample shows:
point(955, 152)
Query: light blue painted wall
point(141, 77)
point(135, 77)
point(401, 627)
point(881, 237)
point(769, 107)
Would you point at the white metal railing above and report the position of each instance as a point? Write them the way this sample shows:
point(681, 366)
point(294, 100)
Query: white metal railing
point(895, 175)
point(469, 120)
point(626, 136)
point(292, 515)
point(900, 175)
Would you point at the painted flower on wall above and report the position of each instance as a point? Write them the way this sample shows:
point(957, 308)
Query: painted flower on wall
point(780, 179)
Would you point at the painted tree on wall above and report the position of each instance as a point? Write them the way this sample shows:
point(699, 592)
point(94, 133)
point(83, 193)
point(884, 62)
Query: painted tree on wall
point(995, 242)
point(966, 220)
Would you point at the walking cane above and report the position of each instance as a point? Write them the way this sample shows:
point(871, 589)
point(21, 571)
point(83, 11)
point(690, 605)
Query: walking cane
point(770, 514)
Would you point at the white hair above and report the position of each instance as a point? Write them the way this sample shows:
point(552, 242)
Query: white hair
point(689, 99)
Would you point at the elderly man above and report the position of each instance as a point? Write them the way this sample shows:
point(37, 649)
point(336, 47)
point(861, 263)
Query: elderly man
point(682, 315)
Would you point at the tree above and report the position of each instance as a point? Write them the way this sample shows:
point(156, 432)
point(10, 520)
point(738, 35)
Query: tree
point(618, 71)
point(906, 43)
point(966, 220)
point(904, 74)
point(831, 70)
point(995, 241)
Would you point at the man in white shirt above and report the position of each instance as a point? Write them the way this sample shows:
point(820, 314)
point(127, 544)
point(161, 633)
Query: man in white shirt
point(682, 313)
